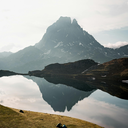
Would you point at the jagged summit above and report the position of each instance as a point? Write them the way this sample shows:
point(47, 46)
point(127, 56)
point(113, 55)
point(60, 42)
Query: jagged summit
point(66, 20)
point(63, 23)
point(74, 22)
point(65, 38)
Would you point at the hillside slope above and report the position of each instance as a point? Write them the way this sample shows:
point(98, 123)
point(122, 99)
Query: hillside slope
point(116, 69)
point(12, 118)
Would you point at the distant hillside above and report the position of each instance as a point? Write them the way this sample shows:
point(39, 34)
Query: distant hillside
point(116, 69)
point(122, 51)
point(5, 54)
point(76, 67)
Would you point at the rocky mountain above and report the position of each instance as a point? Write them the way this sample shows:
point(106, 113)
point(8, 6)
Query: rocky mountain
point(67, 40)
point(64, 41)
point(25, 58)
point(122, 51)
point(5, 54)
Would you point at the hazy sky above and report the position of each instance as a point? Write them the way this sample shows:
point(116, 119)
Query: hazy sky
point(24, 22)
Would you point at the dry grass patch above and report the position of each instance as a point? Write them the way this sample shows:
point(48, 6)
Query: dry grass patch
point(12, 118)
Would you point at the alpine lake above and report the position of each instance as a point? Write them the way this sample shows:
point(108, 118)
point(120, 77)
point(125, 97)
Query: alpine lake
point(68, 98)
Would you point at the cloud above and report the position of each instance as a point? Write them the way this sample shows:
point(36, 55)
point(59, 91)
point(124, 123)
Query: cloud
point(116, 45)
point(105, 15)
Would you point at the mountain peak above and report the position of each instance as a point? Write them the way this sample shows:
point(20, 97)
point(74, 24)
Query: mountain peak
point(68, 20)
point(74, 21)
point(67, 38)
point(64, 20)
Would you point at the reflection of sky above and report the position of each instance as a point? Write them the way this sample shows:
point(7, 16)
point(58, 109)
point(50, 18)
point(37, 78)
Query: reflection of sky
point(103, 96)
point(19, 92)
point(100, 108)
point(101, 113)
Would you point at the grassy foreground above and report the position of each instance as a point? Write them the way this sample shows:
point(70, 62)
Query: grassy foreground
point(12, 118)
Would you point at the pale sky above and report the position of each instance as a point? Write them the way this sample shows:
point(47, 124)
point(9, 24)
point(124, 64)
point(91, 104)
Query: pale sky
point(24, 22)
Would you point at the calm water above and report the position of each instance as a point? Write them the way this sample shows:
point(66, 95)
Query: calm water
point(36, 94)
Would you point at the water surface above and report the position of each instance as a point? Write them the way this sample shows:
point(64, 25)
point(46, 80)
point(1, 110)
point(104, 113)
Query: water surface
point(37, 94)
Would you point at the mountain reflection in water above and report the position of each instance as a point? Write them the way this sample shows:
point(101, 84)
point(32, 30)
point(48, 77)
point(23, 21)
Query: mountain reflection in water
point(68, 97)
point(59, 96)
point(114, 88)
point(99, 107)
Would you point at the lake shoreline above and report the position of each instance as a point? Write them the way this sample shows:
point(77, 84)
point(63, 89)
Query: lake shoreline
point(11, 118)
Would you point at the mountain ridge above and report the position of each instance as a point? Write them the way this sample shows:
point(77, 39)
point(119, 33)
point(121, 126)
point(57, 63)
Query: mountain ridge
point(64, 41)
point(67, 39)
point(80, 43)
point(114, 70)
